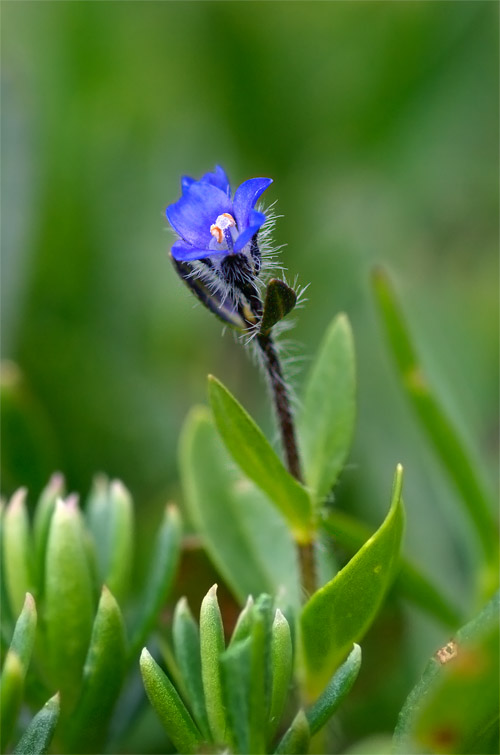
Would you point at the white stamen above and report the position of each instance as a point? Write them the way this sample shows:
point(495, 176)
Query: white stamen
point(223, 221)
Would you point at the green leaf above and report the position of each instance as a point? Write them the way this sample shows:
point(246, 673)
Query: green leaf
point(160, 577)
point(410, 582)
point(38, 735)
point(326, 422)
point(11, 695)
point(279, 301)
point(103, 675)
point(186, 637)
point(257, 460)
point(454, 707)
point(121, 551)
point(258, 717)
point(296, 739)
point(7, 615)
point(244, 622)
point(41, 525)
point(282, 667)
point(110, 518)
point(235, 668)
point(246, 678)
point(17, 551)
point(23, 639)
point(69, 604)
point(171, 711)
point(97, 518)
point(335, 691)
point(339, 613)
point(245, 537)
point(212, 646)
point(15, 668)
point(445, 438)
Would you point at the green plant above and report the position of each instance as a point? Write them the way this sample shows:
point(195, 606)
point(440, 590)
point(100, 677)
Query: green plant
point(66, 575)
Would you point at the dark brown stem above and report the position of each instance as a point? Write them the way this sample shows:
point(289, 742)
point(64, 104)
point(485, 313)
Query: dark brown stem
point(282, 405)
point(289, 442)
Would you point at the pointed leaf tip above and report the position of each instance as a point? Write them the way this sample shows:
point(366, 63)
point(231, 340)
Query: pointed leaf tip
point(336, 690)
point(18, 499)
point(334, 617)
point(211, 646)
point(169, 707)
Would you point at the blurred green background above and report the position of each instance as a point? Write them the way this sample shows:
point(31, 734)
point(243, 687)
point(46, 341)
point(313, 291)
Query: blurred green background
point(378, 123)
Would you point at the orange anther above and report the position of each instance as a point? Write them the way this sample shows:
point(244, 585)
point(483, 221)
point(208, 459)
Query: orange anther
point(217, 233)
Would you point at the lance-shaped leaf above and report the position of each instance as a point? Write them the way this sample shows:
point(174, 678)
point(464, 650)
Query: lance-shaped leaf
point(254, 455)
point(169, 707)
point(38, 735)
point(212, 646)
point(235, 667)
point(279, 301)
point(162, 568)
point(214, 298)
point(186, 637)
point(15, 668)
point(69, 605)
point(246, 538)
point(243, 625)
point(335, 691)
point(410, 582)
point(98, 520)
point(295, 740)
point(454, 707)
point(326, 421)
point(103, 675)
point(110, 517)
point(281, 668)
point(23, 638)
point(11, 695)
point(17, 551)
point(41, 525)
point(339, 613)
point(447, 442)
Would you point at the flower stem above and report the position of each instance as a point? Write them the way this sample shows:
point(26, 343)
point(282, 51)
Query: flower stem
point(289, 442)
point(282, 405)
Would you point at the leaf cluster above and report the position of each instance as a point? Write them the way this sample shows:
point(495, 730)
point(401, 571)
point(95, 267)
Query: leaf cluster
point(66, 574)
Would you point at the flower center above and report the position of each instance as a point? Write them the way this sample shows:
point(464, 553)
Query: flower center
point(221, 229)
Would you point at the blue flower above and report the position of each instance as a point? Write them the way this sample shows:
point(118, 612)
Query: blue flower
point(212, 224)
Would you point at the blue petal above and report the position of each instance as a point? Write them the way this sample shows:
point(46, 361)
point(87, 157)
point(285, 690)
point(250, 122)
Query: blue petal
point(256, 220)
point(186, 182)
point(188, 253)
point(245, 198)
point(219, 179)
point(193, 214)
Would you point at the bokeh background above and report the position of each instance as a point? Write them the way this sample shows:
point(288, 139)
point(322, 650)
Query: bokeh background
point(378, 122)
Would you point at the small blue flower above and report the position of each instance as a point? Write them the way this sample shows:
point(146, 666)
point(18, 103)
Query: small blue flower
point(210, 223)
